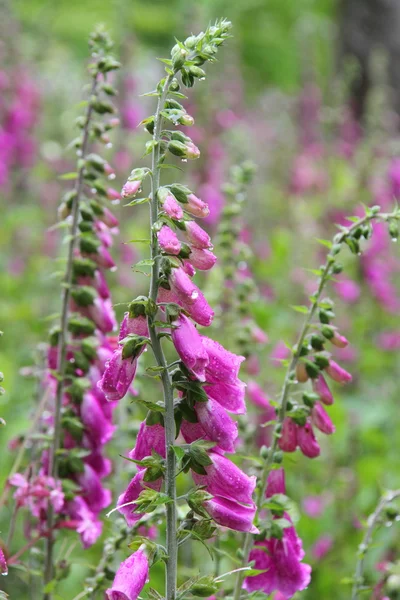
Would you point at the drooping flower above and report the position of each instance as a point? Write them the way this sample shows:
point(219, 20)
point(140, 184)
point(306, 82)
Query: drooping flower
point(149, 438)
point(130, 578)
point(118, 376)
point(217, 424)
point(188, 344)
point(229, 513)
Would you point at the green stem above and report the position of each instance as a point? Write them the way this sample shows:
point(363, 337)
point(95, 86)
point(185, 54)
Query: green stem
point(62, 340)
point(169, 420)
point(363, 547)
point(290, 379)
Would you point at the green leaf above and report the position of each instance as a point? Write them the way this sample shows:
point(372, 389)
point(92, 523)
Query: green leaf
point(299, 308)
point(326, 243)
point(137, 201)
point(146, 262)
point(179, 452)
point(68, 176)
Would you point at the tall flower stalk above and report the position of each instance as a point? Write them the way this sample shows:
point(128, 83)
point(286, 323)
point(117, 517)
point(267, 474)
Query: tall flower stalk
point(309, 361)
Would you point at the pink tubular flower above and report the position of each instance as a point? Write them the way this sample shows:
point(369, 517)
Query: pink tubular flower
point(118, 376)
point(150, 437)
point(229, 513)
point(130, 189)
point(321, 388)
point(188, 344)
point(229, 395)
point(88, 527)
point(337, 373)
point(223, 365)
point(3, 563)
point(100, 430)
point(168, 240)
point(307, 442)
point(197, 236)
point(281, 562)
point(96, 497)
point(135, 325)
point(130, 578)
point(217, 424)
point(191, 297)
point(204, 260)
point(288, 439)
point(321, 419)
point(321, 547)
point(339, 340)
point(196, 207)
point(126, 501)
point(172, 208)
point(225, 479)
point(275, 483)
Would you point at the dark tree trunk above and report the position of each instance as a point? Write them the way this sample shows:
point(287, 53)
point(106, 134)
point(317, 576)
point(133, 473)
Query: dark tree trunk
point(365, 26)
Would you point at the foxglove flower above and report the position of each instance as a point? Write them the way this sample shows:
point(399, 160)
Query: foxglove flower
point(204, 260)
point(197, 236)
point(223, 366)
point(130, 578)
point(172, 208)
point(196, 207)
point(126, 501)
point(168, 240)
point(188, 344)
point(231, 514)
point(217, 424)
point(150, 438)
point(190, 297)
point(118, 376)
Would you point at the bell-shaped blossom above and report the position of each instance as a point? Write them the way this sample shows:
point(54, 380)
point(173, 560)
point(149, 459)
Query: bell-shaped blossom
point(229, 395)
point(99, 463)
point(87, 525)
point(223, 366)
point(307, 441)
point(229, 513)
point(196, 207)
point(130, 189)
point(3, 563)
point(149, 438)
point(196, 236)
point(37, 494)
point(321, 419)
point(126, 501)
point(98, 427)
point(172, 208)
point(118, 376)
point(204, 260)
point(190, 297)
point(281, 562)
point(168, 240)
point(130, 578)
point(225, 479)
point(321, 388)
point(188, 344)
point(135, 325)
point(275, 483)
point(96, 496)
point(337, 373)
point(288, 439)
point(217, 424)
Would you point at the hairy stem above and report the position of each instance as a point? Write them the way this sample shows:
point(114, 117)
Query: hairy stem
point(169, 421)
point(373, 521)
point(62, 340)
point(289, 380)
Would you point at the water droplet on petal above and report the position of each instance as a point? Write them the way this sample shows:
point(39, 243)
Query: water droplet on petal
point(194, 295)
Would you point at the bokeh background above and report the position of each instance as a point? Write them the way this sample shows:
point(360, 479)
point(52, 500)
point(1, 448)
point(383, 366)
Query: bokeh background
point(307, 90)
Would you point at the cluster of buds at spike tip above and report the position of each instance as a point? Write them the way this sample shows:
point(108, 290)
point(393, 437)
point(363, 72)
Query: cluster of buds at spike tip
point(78, 495)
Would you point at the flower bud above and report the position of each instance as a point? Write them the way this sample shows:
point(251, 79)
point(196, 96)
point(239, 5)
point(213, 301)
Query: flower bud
point(288, 440)
point(337, 373)
point(130, 189)
point(307, 442)
point(321, 419)
point(168, 240)
point(197, 207)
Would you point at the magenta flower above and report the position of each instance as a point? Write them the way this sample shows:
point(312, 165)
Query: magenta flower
point(217, 424)
point(196, 207)
point(150, 437)
point(95, 495)
point(307, 441)
point(135, 325)
point(321, 547)
point(168, 240)
point(321, 419)
point(202, 259)
point(118, 376)
point(281, 561)
point(225, 479)
point(321, 388)
point(87, 525)
point(172, 208)
point(337, 373)
point(288, 440)
point(197, 236)
point(229, 395)
point(223, 366)
point(275, 483)
point(126, 501)
point(188, 344)
point(130, 578)
point(190, 297)
point(314, 506)
point(229, 513)
point(130, 189)
point(3, 563)
point(99, 429)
